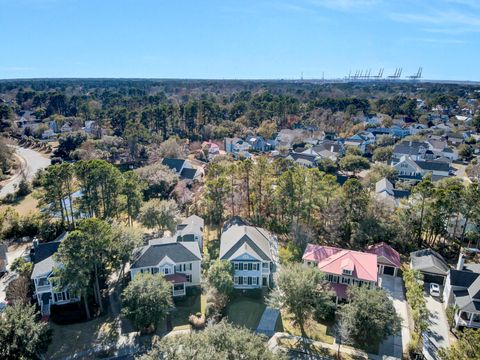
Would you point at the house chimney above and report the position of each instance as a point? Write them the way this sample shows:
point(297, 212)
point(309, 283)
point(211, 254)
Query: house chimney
point(460, 262)
point(331, 149)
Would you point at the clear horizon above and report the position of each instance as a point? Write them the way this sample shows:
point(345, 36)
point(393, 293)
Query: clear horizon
point(233, 40)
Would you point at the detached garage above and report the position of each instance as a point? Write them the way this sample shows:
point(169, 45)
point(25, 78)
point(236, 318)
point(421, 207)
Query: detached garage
point(388, 259)
point(431, 264)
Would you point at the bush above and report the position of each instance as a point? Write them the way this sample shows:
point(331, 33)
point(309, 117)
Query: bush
point(197, 321)
point(250, 293)
point(23, 188)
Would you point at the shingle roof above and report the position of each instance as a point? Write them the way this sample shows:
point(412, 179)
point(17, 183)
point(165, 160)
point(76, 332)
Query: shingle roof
point(43, 256)
point(236, 236)
point(3, 251)
point(188, 173)
point(151, 255)
point(409, 147)
point(429, 261)
point(174, 164)
point(433, 165)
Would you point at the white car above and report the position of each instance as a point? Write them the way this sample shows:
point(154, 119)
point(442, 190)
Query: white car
point(434, 290)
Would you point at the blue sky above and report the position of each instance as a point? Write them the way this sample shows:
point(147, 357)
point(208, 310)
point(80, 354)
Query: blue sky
point(238, 38)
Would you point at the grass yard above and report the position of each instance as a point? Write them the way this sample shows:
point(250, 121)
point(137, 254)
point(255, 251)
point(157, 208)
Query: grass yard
point(319, 351)
point(25, 206)
point(69, 339)
point(186, 307)
point(244, 311)
point(315, 330)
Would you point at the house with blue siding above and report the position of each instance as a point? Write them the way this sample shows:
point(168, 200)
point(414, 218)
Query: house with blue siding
point(253, 252)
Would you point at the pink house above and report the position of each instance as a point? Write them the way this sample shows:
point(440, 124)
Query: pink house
point(343, 267)
point(388, 258)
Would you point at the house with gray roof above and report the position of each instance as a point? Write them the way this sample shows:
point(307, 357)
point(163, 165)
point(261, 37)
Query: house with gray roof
point(42, 256)
point(191, 229)
point(178, 262)
point(3, 258)
point(385, 192)
point(183, 168)
point(462, 291)
point(414, 149)
point(253, 252)
point(431, 264)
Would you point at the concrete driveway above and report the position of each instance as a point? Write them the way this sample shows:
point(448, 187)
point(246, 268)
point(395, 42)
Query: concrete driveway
point(396, 345)
point(437, 331)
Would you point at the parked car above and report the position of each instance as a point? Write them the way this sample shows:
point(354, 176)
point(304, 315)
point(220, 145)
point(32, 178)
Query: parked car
point(434, 290)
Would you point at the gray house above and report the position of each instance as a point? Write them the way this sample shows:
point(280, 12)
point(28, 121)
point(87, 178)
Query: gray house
point(462, 291)
point(431, 264)
point(191, 229)
point(43, 264)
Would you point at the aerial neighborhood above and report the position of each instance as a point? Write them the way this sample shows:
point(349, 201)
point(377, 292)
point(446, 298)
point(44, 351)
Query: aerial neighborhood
point(298, 220)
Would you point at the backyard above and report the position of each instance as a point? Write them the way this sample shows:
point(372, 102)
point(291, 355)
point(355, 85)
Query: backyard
point(245, 311)
point(184, 308)
point(319, 331)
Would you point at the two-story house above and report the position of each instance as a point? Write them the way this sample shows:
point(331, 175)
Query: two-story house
point(343, 267)
point(191, 229)
point(253, 251)
point(462, 291)
point(43, 264)
point(179, 262)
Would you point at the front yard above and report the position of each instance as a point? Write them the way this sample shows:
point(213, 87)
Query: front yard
point(70, 339)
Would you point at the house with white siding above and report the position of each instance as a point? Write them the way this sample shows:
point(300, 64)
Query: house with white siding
point(178, 262)
point(253, 252)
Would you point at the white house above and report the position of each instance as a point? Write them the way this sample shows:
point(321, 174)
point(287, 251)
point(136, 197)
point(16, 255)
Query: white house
point(253, 251)
point(462, 291)
point(43, 265)
point(179, 262)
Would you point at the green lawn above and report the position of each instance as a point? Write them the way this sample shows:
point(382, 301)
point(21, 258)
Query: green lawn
point(314, 330)
point(244, 311)
point(185, 307)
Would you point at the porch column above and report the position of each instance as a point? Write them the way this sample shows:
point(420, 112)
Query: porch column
point(457, 318)
point(470, 320)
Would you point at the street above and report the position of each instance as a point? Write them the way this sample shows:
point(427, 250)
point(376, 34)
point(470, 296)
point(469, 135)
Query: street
point(31, 162)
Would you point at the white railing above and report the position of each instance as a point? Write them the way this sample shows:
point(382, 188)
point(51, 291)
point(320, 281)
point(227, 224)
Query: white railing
point(462, 322)
point(43, 288)
point(179, 292)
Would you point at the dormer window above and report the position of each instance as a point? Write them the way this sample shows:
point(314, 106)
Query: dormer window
point(347, 272)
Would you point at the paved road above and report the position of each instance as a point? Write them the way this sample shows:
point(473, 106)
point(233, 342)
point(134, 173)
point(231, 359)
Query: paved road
point(32, 161)
point(396, 345)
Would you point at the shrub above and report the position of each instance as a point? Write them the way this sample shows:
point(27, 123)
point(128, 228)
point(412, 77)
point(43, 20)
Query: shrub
point(197, 321)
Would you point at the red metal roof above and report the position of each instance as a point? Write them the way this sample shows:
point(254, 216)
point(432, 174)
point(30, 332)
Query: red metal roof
point(334, 260)
point(176, 278)
point(385, 250)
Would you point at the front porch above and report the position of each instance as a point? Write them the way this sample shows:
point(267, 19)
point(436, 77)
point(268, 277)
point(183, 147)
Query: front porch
point(467, 319)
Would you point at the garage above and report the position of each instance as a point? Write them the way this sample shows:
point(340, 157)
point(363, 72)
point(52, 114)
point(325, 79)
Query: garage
point(433, 278)
point(389, 270)
point(431, 264)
